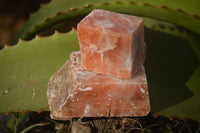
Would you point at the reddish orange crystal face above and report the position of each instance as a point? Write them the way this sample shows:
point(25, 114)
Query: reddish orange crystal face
point(111, 43)
point(75, 92)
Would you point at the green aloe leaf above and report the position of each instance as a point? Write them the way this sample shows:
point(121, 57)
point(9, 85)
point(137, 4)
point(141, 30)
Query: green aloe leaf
point(189, 107)
point(181, 12)
point(172, 29)
point(169, 65)
point(190, 104)
point(26, 68)
point(194, 83)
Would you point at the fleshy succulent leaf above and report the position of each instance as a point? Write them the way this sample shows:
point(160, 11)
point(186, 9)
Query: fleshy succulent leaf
point(186, 109)
point(194, 83)
point(26, 68)
point(191, 104)
point(183, 14)
point(168, 68)
point(172, 29)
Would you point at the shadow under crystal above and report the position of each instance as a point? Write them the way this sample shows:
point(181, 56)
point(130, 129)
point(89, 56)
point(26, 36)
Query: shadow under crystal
point(170, 61)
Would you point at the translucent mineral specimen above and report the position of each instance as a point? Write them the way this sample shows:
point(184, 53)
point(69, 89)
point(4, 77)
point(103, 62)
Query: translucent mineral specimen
point(111, 43)
point(75, 92)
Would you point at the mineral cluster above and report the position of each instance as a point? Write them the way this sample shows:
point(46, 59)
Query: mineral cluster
point(106, 78)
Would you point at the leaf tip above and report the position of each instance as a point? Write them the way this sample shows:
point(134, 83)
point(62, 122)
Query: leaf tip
point(155, 115)
point(46, 19)
point(41, 5)
point(167, 27)
point(157, 26)
point(146, 4)
point(73, 28)
point(7, 113)
point(87, 5)
point(175, 29)
point(56, 32)
point(184, 32)
point(105, 3)
point(24, 112)
point(132, 2)
point(19, 39)
point(171, 118)
point(35, 26)
point(37, 36)
point(39, 112)
point(118, 2)
point(180, 10)
point(58, 13)
point(196, 16)
point(72, 9)
point(5, 45)
point(164, 6)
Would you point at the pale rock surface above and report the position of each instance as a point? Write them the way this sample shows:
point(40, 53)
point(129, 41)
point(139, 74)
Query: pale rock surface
point(76, 92)
point(112, 43)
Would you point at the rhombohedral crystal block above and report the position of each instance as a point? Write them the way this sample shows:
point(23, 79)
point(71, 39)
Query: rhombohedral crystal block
point(76, 92)
point(112, 43)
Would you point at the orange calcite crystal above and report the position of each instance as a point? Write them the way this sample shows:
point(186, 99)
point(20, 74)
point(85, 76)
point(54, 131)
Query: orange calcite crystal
point(111, 43)
point(75, 92)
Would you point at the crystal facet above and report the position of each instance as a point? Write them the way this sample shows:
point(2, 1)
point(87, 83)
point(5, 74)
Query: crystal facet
point(111, 43)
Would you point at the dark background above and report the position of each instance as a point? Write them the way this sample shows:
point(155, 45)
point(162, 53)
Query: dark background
point(13, 13)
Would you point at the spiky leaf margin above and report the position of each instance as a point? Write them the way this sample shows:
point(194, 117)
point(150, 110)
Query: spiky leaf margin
point(182, 13)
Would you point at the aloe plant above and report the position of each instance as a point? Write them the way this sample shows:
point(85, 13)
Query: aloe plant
point(172, 30)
